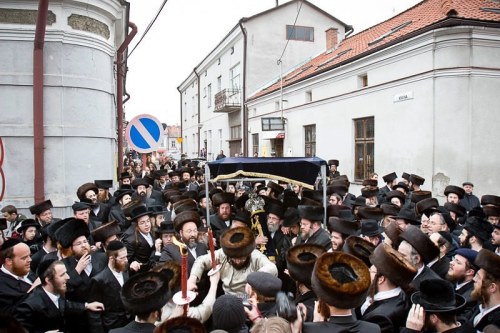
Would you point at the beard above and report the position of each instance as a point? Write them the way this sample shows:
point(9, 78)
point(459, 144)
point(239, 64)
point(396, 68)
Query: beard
point(273, 228)
point(306, 235)
point(120, 266)
point(60, 288)
point(337, 246)
point(480, 294)
point(241, 265)
point(81, 252)
point(191, 242)
point(142, 193)
point(455, 279)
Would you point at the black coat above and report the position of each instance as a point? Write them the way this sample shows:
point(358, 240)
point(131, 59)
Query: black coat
point(12, 292)
point(308, 300)
point(389, 314)
point(470, 305)
point(426, 274)
point(441, 266)
point(340, 324)
point(138, 249)
point(172, 252)
point(78, 285)
point(320, 237)
point(491, 318)
point(470, 201)
point(135, 327)
point(38, 313)
point(116, 214)
point(105, 288)
point(381, 197)
point(218, 226)
point(36, 259)
point(103, 213)
point(158, 197)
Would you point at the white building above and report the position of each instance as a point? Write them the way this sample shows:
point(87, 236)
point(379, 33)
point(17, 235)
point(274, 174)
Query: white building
point(417, 93)
point(80, 120)
point(212, 112)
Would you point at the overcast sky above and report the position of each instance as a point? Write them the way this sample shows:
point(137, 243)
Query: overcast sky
point(187, 30)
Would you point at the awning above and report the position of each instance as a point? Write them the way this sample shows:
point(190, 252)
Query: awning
point(271, 135)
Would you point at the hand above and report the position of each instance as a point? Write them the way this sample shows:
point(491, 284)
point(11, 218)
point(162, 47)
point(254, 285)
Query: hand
point(297, 324)
point(158, 245)
point(259, 240)
point(94, 306)
point(98, 245)
point(178, 311)
point(82, 263)
point(416, 318)
point(135, 266)
point(285, 230)
point(254, 313)
point(317, 316)
point(191, 283)
point(214, 279)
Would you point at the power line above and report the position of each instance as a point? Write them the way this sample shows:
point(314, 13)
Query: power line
point(148, 27)
point(293, 29)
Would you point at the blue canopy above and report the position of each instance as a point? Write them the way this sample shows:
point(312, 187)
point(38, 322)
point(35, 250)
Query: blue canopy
point(296, 170)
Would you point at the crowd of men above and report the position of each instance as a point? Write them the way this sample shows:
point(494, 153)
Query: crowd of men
point(390, 260)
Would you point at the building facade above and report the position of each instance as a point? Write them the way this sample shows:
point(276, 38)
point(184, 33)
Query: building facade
point(417, 93)
point(213, 115)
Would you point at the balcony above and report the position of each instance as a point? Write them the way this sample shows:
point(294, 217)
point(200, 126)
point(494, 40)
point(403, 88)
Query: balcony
point(227, 100)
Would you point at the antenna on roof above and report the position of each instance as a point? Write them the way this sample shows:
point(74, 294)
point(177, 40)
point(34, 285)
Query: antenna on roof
point(277, 4)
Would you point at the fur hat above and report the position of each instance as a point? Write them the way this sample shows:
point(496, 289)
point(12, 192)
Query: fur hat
point(334, 210)
point(291, 217)
point(71, 230)
point(166, 227)
point(182, 324)
point(370, 182)
point(426, 206)
point(406, 176)
point(313, 195)
point(374, 213)
point(168, 193)
point(491, 210)
point(237, 242)
point(389, 209)
point(393, 232)
point(290, 199)
point(341, 280)
point(437, 296)
point(333, 162)
point(278, 189)
point(369, 191)
point(390, 177)
point(185, 217)
point(420, 242)
point(145, 292)
point(40, 207)
point(489, 199)
point(308, 202)
point(80, 192)
point(460, 192)
point(52, 228)
point(416, 196)
point(391, 264)
point(396, 194)
point(488, 261)
point(402, 185)
point(224, 197)
point(228, 313)
point(301, 259)
point(104, 183)
point(311, 213)
point(417, 180)
point(342, 226)
point(457, 209)
point(264, 283)
point(172, 272)
point(185, 205)
point(337, 186)
point(359, 248)
point(104, 231)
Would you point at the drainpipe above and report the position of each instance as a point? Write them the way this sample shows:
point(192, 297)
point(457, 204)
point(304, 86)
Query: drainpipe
point(38, 138)
point(180, 92)
point(243, 95)
point(198, 106)
point(119, 91)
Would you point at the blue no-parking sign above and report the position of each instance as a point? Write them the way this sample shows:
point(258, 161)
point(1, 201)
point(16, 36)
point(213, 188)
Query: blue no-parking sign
point(144, 133)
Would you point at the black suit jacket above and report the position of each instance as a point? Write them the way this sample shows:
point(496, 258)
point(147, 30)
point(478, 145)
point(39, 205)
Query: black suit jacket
point(138, 249)
point(38, 313)
point(135, 327)
point(78, 285)
point(37, 258)
point(470, 305)
point(158, 197)
point(172, 252)
point(218, 226)
point(389, 314)
point(320, 237)
point(103, 213)
point(340, 324)
point(441, 267)
point(12, 292)
point(426, 274)
point(105, 288)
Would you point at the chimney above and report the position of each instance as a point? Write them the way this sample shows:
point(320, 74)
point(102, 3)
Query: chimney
point(331, 38)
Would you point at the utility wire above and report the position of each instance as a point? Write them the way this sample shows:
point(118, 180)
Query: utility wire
point(293, 29)
point(148, 28)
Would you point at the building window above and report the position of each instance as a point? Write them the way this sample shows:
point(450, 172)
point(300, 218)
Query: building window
point(255, 143)
point(234, 75)
point(219, 83)
point(364, 148)
point(300, 33)
point(272, 124)
point(309, 96)
point(236, 132)
point(310, 140)
point(209, 95)
point(363, 81)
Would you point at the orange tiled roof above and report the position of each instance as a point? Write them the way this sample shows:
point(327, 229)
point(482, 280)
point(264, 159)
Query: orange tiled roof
point(426, 14)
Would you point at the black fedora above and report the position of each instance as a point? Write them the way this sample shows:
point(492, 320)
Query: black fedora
point(437, 296)
point(370, 228)
point(408, 215)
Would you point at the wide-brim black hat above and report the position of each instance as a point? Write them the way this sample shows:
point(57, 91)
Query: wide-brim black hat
point(185, 217)
point(457, 209)
point(417, 196)
point(308, 202)
point(104, 183)
point(341, 280)
point(426, 206)
point(139, 211)
point(391, 264)
point(311, 213)
point(186, 170)
point(25, 224)
point(291, 217)
point(417, 180)
point(140, 181)
point(480, 228)
point(166, 227)
point(396, 194)
point(120, 193)
point(224, 197)
point(80, 192)
point(390, 177)
point(145, 292)
point(40, 207)
point(125, 175)
point(389, 209)
point(276, 188)
point(460, 192)
point(102, 233)
point(408, 215)
point(359, 202)
point(437, 296)
point(276, 209)
point(313, 195)
point(71, 230)
point(300, 261)
point(420, 242)
point(370, 228)
point(243, 216)
point(237, 242)
point(359, 247)
point(334, 210)
point(488, 261)
point(342, 226)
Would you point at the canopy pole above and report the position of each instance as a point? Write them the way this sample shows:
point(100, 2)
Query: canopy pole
point(323, 182)
point(207, 197)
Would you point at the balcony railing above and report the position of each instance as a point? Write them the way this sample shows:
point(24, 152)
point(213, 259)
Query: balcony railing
point(227, 100)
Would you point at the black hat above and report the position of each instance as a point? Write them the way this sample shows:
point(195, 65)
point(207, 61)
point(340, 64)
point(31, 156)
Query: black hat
point(264, 283)
point(301, 259)
point(374, 213)
point(390, 177)
point(491, 210)
point(417, 196)
point(291, 217)
point(389, 209)
point(80, 192)
point(140, 181)
point(228, 313)
point(359, 247)
point(340, 279)
point(417, 180)
point(185, 217)
point(402, 185)
point(334, 210)
point(125, 175)
point(145, 292)
point(275, 187)
point(3, 223)
point(224, 197)
point(25, 224)
point(40, 207)
point(489, 261)
point(101, 233)
point(120, 193)
point(53, 227)
point(139, 211)
point(437, 296)
point(172, 271)
point(426, 206)
point(313, 195)
point(391, 264)
point(186, 170)
point(166, 228)
point(396, 194)
point(168, 193)
point(44, 265)
point(237, 242)
point(408, 215)
point(457, 209)
point(276, 209)
point(420, 242)
point(104, 183)
point(340, 187)
point(369, 191)
point(156, 209)
point(370, 228)
point(173, 173)
point(80, 205)
point(311, 213)
point(308, 202)
point(342, 226)
point(460, 192)
point(489, 199)
point(359, 202)
point(406, 176)
point(11, 242)
point(290, 199)
point(71, 230)
point(115, 245)
point(480, 228)
point(333, 162)
point(243, 216)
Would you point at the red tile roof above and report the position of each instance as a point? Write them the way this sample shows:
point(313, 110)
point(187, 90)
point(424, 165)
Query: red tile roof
point(426, 15)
